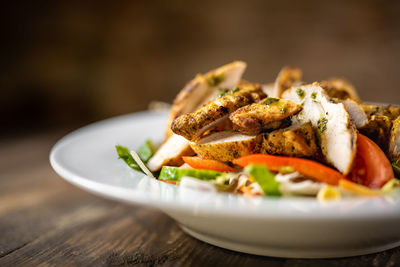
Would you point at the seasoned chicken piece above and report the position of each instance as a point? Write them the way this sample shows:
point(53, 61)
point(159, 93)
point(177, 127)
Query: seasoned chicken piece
point(356, 112)
point(295, 141)
point(170, 153)
point(287, 77)
point(226, 146)
point(268, 114)
point(340, 88)
point(394, 142)
point(192, 125)
point(378, 129)
point(336, 133)
point(373, 121)
point(392, 112)
point(379, 125)
point(269, 89)
point(204, 87)
point(193, 95)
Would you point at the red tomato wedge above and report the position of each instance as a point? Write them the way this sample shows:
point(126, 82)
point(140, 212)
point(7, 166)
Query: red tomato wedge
point(307, 167)
point(372, 167)
point(207, 164)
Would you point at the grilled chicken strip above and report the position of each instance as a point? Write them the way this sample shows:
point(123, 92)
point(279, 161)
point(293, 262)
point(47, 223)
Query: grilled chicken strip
point(226, 145)
point(192, 96)
point(295, 141)
point(356, 112)
point(394, 142)
point(203, 88)
point(170, 153)
point(336, 132)
point(379, 124)
point(287, 77)
point(378, 129)
point(392, 112)
point(340, 88)
point(269, 114)
point(192, 125)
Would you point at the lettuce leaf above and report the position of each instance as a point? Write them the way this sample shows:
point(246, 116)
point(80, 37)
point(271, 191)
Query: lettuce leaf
point(125, 155)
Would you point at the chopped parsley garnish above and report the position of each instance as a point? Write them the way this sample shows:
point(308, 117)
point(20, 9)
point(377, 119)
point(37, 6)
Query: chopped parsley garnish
point(314, 95)
point(226, 91)
point(321, 124)
point(300, 92)
point(270, 100)
point(215, 80)
point(283, 110)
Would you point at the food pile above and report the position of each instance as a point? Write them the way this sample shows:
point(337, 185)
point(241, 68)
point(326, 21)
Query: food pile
point(284, 138)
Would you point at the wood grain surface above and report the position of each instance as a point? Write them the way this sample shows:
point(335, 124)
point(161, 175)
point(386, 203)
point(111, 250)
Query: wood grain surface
point(46, 221)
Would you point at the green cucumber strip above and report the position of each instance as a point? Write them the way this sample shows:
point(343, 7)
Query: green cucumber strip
point(265, 179)
point(176, 174)
point(146, 151)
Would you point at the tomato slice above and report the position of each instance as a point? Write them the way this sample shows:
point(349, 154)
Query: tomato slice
point(372, 167)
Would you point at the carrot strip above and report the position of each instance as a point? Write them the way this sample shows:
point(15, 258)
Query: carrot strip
point(168, 182)
point(358, 189)
point(309, 168)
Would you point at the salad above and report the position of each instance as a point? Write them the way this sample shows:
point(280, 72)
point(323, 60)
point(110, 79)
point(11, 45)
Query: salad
point(286, 138)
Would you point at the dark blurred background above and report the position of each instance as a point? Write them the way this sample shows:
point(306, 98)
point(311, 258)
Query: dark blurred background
point(67, 63)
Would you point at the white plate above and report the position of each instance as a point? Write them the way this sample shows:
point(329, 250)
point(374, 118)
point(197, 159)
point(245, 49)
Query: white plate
point(282, 227)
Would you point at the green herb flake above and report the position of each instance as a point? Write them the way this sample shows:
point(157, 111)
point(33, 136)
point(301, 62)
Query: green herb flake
point(225, 91)
point(396, 167)
point(222, 92)
point(321, 124)
point(270, 101)
point(215, 80)
point(125, 155)
point(283, 110)
point(314, 95)
point(235, 90)
point(286, 170)
point(300, 92)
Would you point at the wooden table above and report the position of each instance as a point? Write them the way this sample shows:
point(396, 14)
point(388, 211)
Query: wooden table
point(46, 221)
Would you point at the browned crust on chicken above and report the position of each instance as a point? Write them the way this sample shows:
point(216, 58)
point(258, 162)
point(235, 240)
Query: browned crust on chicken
point(299, 141)
point(378, 129)
point(394, 142)
point(390, 111)
point(190, 125)
point(340, 88)
point(201, 88)
point(269, 114)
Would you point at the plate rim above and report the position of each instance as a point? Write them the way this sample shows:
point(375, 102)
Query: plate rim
point(125, 195)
